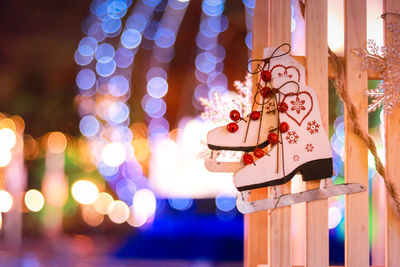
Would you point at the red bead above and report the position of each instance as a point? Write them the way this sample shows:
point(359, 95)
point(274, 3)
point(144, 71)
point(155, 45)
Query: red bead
point(284, 127)
point(232, 127)
point(255, 115)
point(248, 159)
point(266, 76)
point(266, 92)
point(273, 138)
point(283, 107)
point(258, 152)
point(234, 115)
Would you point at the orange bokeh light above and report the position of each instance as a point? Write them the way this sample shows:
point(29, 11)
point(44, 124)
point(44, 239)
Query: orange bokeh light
point(56, 142)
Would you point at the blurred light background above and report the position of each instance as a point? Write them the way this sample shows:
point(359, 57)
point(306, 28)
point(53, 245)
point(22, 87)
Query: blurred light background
point(101, 141)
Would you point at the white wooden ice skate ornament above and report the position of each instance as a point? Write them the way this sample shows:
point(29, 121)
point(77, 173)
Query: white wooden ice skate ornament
point(285, 135)
point(250, 134)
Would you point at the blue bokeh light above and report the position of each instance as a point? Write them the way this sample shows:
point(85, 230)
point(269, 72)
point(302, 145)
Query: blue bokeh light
point(213, 7)
point(206, 62)
point(164, 37)
point(82, 60)
point(154, 105)
point(206, 30)
point(87, 46)
point(156, 71)
point(225, 202)
point(136, 21)
point(89, 126)
point(118, 112)
point(110, 25)
point(105, 53)
point(181, 204)
point(107, 171)
point(117, 9)
point(85, 79)
point(204, 42)
point(157, 87)
point(118, 85)
point(124, 57)
point(105, 69)
point(131, 38)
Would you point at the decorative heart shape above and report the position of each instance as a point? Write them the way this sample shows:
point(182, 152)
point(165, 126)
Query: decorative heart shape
point(300, 106)
point(292, 72)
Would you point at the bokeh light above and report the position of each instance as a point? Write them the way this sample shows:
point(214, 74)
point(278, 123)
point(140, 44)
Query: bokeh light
point(335, 217)
point(91, 217)
point(113, 154)
point(84, 192)
point(104, 203)
point(6, 201)
point(85, 79)
point(131, 38)
point(157, 87)
point(118, 85)
point(89, 126)
point(120, 212)
point(56, 142)
point(105, 53)
point(144, 203)
point(7, 138)
point(225, 201)
point(180, 203)
point(5, 157)
point(34, 200)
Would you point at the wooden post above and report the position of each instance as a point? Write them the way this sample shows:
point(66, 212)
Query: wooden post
point(280, 247)
point(356, 164)
point(392, 145)
point(256, 224)
point(317, 231)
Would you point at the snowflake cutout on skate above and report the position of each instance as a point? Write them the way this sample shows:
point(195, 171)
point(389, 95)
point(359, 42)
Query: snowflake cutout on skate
point(270, 107)
point(309, 147)
point(292, 137)
point(298, 105)
point(312, 127)
point(296, 157)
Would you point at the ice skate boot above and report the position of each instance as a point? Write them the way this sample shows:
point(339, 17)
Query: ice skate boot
point(298, 145)
point(249, 133)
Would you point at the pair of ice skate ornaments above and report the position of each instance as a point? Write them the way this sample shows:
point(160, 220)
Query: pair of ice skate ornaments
point(282, 136)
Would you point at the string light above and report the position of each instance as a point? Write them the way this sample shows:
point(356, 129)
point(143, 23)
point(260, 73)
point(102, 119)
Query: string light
point(105, 89)
point(209, 60)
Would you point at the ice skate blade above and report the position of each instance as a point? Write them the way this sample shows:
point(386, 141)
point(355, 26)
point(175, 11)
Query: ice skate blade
point(244, 206)
point(220, 166)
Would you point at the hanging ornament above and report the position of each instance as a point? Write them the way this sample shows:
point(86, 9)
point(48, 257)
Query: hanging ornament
point(385, 61)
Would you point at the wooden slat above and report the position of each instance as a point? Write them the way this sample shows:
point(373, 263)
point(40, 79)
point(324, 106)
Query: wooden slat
point(392, 145)
point(317, 231)
point(280, 247)
point(356, 164)
point(331, 70)
point(256, 224)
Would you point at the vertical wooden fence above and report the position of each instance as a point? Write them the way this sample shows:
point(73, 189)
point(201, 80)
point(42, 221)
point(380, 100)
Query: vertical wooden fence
point(268, 237)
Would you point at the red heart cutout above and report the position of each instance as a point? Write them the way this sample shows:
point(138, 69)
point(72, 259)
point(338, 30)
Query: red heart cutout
point(288, 71)
point(300, 106)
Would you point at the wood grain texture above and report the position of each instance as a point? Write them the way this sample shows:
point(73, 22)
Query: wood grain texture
point(332, 72)
point(356, 162)
point(317, 231)
point(280, 246)
point(392, 145)
point(256, 224)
